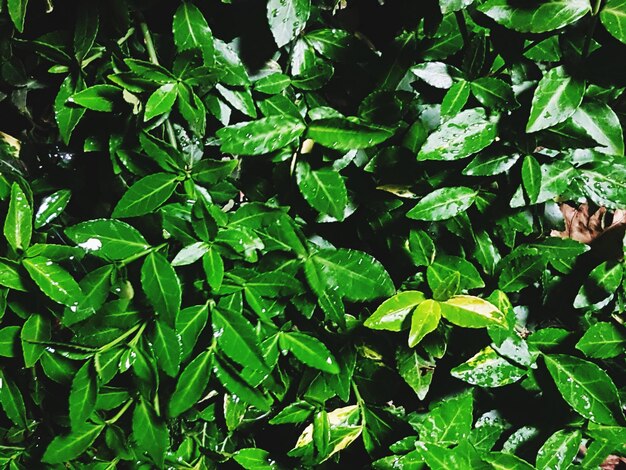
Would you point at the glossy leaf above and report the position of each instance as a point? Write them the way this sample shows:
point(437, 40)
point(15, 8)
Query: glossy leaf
point(162, 287)
point(323, 189)
point(68, 447)
point(51, 207)
point(310, 351)
point(424, 320)
point(54, 281)
point(488, 369)
point(613, 17)
point(110, 239)
point(191, 384)
point(344, 134)
point(262, 136)
point(287, 19)
point(559, 450)
point(392, 313)
point(150, 432)
point(18, 224)
point(35, 332)
point(471, 312)
point(443, 203)
point(146, 195)
point(602, 340)
point(191, 31)
point(586, 387)
point(83, 395)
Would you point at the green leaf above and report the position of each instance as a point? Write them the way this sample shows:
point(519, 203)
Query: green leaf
point(162, 287)
point(506, 461)
point(9, 341)
point(272, 84)
point(471, 312)
point(455, 99)
point(150, 432)
point(190, 254)
point(444, 266)
point(488, 369)
point(261, 136)
point(558, 452)
point(191, 384)
point(35, 331)
point(535, 18)
point(488, 164)
point(309, 351)
point(191, 31)
point(62, 449)
point(436, 74)
point(146, 195)
point(421, 248)
point(613, 17)
point(12, 401)
point(344, 134)
point(443, 203)
point(54, 281)
point(424, 320)
point(189, 324)
point(449, 421)
point(10, 277)
point(167, 348)
point(68, 117)
point(449, 6)
point(237, 386)
point(17, 12)
point(18, 224)
point(254, 459)
point(236, 338)
point(556, 98)
point(323, 189)
point(415, 370)
point(602, 124)
point(83, 395)
point(287, 19)
point(101, 98)
point(353, 274)
point(602, 340)
point(392, 313)
point(109, 239)
point(51, 207)
point(586, 388)
point(465, 134)
point(494, 93)
point(601, 284)
point(213, 266)
point(531, 177)
point(161, 101)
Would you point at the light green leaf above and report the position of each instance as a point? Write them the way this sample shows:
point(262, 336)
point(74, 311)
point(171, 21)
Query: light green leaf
point(601, 284)
point(531, 177)
point(535, 17)
point(323, 189)
point(449, 6)
point(465, 134)
point(161, 101)
point(35, 331)
point(488, 369)
point(236, 338)
point(62, 449)
point(18, 224)
point(436, 74)
point(558, 452)
point(191, 384)
point(353, 274)
point(255, 459)
point(54, 281)
point(471, 312)
point(51, 207)
point(101, 98)
point(261, 136)
point(488, 164)
point(506, 461)
point(455, 99)
point(146, 195)
point(443, 203)
point(190, 254)
point(9, 340)
point(213, 266)
point(424, 320)
point(392, 312)
point(10, 276)
point(450, 421)
point(586, 387)
point(162, 287)
point(415, 370)
point(83, 395)
point(17, 12)
point(167, 348)
point(556, 98)
point(344, 134)
point(189, 324)
point(12, 401)
point(601, 123)
point(421, 248)
point(150, 432)
point(602, 340)
point(68, 117)
point(309, 351)
point(191, 31)
point(287, 19)
point(494, 93)
point(613, 17)
point(109, 239)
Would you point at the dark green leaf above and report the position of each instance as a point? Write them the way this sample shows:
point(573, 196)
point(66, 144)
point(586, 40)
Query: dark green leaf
point(324, 189)
point(146, 195)
point(162, 287)
point(54, 281)
point(150, 432)
point(191, 384)
point(310, 351)
point(262, 136)
point(110, 239)
point(62, 449)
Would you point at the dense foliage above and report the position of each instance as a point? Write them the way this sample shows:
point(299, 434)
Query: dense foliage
point(293, 234)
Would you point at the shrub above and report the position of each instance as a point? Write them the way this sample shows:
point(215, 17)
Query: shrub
point(289, 234)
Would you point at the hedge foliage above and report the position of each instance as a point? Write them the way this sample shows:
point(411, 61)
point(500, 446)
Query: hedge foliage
point(295, 233)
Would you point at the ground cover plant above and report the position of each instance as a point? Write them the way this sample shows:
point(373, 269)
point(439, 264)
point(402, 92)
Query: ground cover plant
point(312, 234)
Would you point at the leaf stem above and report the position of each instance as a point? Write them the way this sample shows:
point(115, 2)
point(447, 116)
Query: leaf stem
point(147, 38)
point(119, 414)
point(592, 28)
point(118, 340)
point(139, 255)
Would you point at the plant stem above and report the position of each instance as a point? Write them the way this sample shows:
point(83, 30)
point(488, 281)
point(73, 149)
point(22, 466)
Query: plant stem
point(119, 414)
point(460, 19)
point(147, 38)
point(118, 340)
